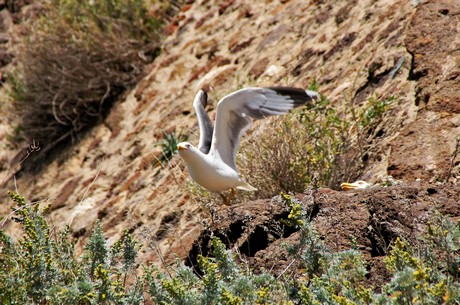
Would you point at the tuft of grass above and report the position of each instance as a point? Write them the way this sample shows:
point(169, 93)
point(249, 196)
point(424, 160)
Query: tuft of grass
point(169, 146)
point(74, 61)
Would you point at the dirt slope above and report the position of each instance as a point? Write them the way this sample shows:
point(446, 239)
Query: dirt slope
point(354, 48)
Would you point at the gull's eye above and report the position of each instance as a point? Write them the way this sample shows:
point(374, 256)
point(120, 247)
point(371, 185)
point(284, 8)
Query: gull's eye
point(188, 145)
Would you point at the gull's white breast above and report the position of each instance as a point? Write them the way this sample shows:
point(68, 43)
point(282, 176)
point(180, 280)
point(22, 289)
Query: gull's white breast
point(214, 175)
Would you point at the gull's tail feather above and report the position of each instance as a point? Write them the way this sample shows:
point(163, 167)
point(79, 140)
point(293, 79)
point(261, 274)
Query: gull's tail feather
point(246, 187)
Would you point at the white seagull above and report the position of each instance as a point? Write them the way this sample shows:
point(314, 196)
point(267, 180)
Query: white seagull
point(213, 163)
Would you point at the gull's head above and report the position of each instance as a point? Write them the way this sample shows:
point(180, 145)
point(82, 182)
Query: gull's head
point(360, 184)
point(186, 149)
point(183, 147)
point(189, 153)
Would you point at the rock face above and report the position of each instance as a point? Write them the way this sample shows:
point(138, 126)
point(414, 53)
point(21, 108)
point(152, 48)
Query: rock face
point(436, 71)
point(354, 49)
point(371, 219)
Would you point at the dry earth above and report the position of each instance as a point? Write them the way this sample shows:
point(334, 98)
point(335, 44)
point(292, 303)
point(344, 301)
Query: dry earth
point(355, 49)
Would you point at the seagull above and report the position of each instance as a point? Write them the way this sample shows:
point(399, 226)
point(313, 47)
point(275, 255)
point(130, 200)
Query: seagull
point(213, 164)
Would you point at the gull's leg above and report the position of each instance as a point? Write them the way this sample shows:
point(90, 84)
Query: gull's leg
point(230, 197)
point(225, 198)
point(233, 194)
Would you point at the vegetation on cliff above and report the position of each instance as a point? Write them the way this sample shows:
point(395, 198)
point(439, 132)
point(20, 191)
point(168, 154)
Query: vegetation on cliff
point(42, 268)
point(73, 61)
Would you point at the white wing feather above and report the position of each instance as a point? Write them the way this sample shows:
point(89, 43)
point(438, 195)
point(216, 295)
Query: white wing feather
point(236, 111)
point(204, 123)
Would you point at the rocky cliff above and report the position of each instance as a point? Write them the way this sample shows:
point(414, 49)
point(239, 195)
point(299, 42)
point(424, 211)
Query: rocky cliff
point(355, 49)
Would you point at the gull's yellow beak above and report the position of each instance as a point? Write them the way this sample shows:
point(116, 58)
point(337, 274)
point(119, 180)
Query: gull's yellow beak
point(355, 185)
point(181, 147)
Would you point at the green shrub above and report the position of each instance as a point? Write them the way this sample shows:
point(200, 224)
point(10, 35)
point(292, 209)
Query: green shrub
point(373, 111)
point(223, 282)
point(442, 241)
point(42, 268)
point(416, 279)
point(309, 250)
point(74, 61)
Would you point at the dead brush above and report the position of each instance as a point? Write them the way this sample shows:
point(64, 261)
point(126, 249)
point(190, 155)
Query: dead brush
point(319, 147)
point(294, 152)
point(75, 61)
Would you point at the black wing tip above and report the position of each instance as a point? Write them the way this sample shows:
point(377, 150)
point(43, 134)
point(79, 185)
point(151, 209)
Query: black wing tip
point(313, 94)
point(300, 96)
point(285, 89)
point(203, 99)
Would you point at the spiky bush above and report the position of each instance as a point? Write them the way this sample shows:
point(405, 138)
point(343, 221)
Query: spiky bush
point(42, 268)
point(74, 61)
point(417, 279)
point(223, 282)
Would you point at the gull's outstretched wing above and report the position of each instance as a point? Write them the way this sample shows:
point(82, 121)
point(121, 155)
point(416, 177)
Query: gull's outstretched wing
point(200, 102)
point(236, 111)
